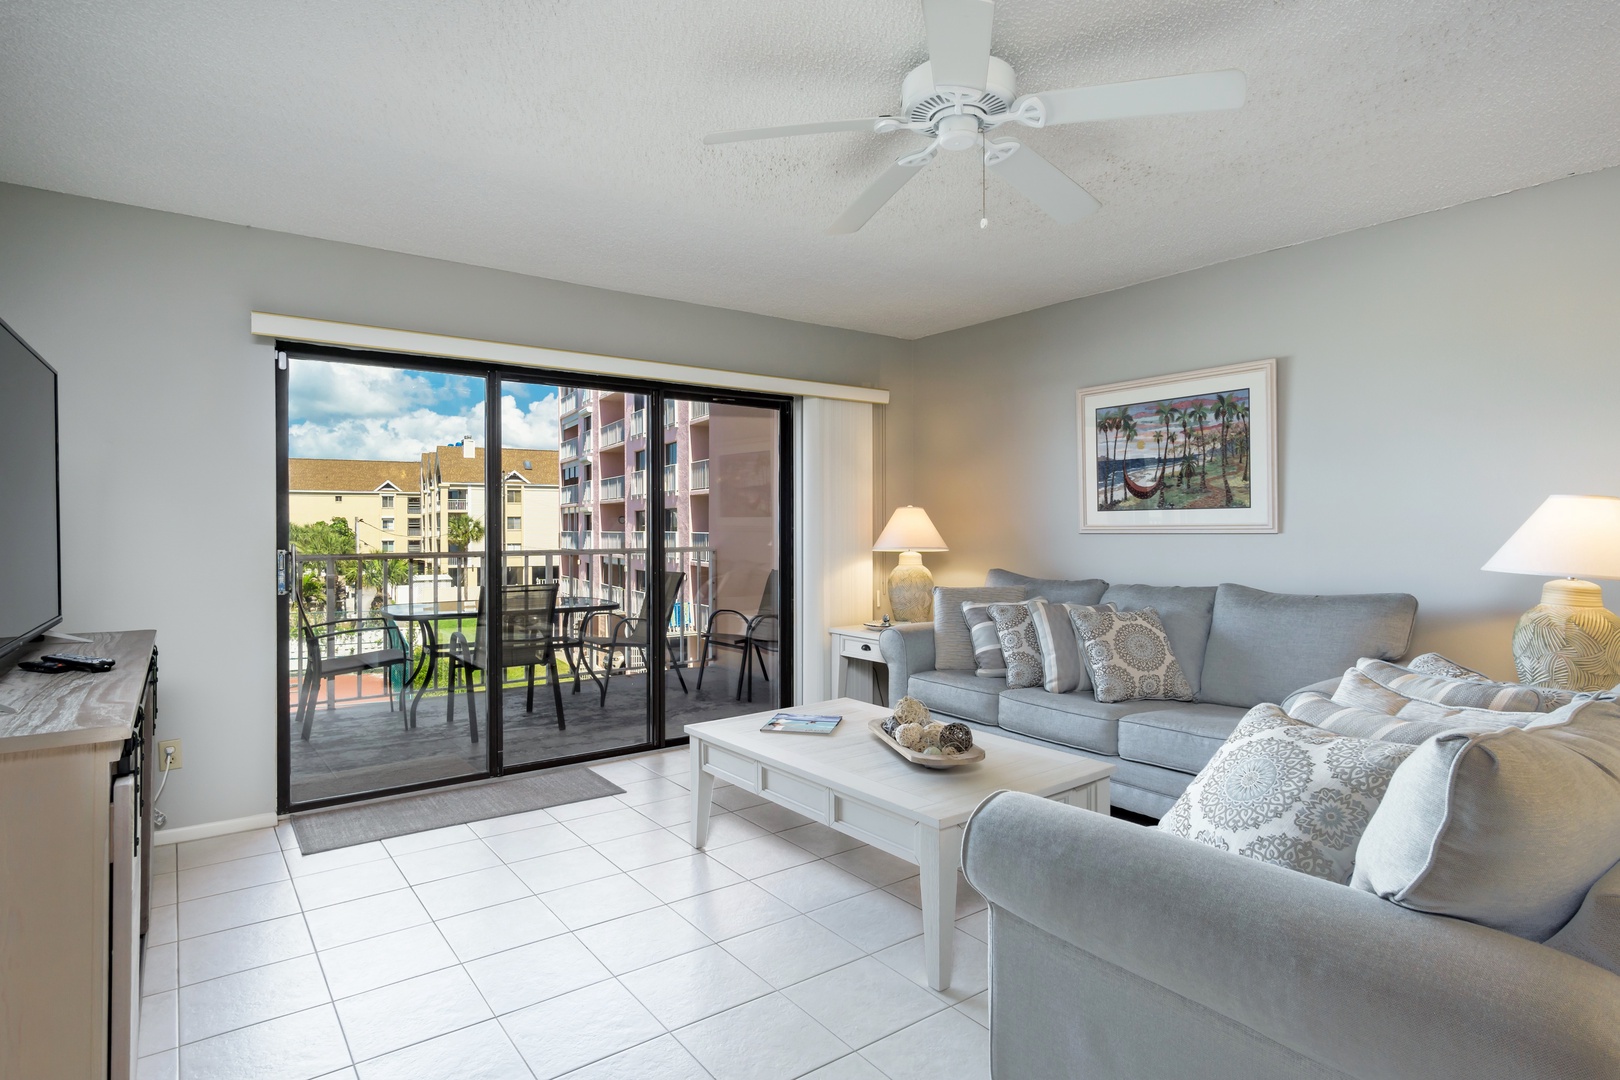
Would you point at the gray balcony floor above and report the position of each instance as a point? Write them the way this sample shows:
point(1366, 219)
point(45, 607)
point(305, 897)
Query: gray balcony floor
point(365, 746)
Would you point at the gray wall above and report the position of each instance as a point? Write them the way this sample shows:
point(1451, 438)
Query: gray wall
point(1439, 376)
point(168, 424)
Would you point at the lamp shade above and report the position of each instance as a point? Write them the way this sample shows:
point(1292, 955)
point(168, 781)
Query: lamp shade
point(910, 530)
point(1568, 536)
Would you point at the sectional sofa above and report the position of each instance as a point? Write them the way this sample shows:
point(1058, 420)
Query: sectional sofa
point(1237, 646)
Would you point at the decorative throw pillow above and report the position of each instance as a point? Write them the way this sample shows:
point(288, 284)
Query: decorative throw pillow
point(1325, 713)
point(1062, 670)
point(1464, 693)
point(1128, 654)
point(1285, 792)
point(987, 659)
point(953, 645)
point(1020, 644)
point(1432, 663)
point(1509, 829)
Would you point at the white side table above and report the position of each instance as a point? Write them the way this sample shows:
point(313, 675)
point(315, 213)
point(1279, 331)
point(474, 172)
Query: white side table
point(859, 645)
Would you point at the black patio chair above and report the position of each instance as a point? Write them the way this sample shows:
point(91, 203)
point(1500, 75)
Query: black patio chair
point(528, 640)
point(323, 659)
point(758, 636)
point(626, 633)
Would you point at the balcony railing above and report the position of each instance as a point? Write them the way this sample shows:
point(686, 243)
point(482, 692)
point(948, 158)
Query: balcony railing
point(414, 529)
point(669, 479)
point(455, 505)
point(671, 538)
point(612, 540)
point(638, 423)
point(698, 410)
point(700, 475)
point(612, 434)
point(700, 539)
point(638, 484)
point(570, 402)
point(569, 450)
point(612, 489)
point(571, 540)
point(570, 494)
point(638, 540)
point(669, 414)
point(586, 442)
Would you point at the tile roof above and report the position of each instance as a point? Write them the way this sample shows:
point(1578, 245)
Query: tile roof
point(338, 474)
point(454, 467)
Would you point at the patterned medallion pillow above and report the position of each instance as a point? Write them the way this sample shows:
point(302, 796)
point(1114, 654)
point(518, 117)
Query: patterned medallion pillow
point(987, 659)
point(1128, 655)
point(1432, 663)
point(1282, 791)
point(1020, 644)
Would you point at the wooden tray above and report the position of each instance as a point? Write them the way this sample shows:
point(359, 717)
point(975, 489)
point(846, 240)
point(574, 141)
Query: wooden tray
point(929, 761)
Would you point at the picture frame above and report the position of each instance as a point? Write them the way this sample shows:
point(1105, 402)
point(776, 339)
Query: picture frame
point(1194, 452)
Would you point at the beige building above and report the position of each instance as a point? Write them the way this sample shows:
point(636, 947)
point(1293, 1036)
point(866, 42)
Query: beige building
point(381, 500)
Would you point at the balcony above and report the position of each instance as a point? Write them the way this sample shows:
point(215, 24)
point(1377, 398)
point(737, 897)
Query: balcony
point(671, 538)
point(586, 442)
point(569, 451)
point(638, 423)
point(612, 489)
point(700, 475)
point(638, 484)
point(570, 494)
point(669, 479)
point(414, 529)
point(669, 414)
point(700, 539)
point(638, 540)
point(612, 434)
point(613, 540)
point(571, 540)
point(698, 410)
point(456, 505)
point(570, 402)
point(413, 505)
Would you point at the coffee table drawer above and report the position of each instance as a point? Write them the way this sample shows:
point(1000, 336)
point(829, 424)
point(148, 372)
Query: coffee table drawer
point(744, 772)
point(879, 827)
point(795, 793)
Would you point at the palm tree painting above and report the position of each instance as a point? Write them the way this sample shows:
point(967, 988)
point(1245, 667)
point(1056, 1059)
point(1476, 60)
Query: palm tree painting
point(1183, 453)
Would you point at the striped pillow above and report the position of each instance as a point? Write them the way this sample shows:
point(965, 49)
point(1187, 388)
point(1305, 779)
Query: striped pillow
point(1061, 669)
point(1325, 713)
point(987, 659)
point(1463, 693)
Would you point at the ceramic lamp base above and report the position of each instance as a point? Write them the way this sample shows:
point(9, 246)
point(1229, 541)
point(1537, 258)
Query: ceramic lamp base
point(911, 590)
point(1569, 640)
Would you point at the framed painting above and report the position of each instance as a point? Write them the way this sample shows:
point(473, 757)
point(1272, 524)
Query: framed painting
point(1188, 453)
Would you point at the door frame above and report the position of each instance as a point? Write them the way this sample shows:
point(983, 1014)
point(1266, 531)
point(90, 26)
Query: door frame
point(493, 374)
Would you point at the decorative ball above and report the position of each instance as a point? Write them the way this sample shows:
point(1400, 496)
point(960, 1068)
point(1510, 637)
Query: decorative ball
point(909, 736)
point(930, 751)
point(956, 738)
point(891, 725)
point(911, 711)
point(930, 734)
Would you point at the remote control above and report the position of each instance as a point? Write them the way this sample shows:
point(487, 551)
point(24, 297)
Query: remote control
point(44, 667)
point(73, 662)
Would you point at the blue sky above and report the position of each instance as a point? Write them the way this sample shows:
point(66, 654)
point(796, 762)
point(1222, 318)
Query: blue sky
point(338, 410)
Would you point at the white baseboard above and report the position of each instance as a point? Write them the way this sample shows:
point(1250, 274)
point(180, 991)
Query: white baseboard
point(181, 833)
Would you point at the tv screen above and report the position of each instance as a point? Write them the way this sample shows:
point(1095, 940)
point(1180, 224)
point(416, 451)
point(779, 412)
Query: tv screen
point(30, 560)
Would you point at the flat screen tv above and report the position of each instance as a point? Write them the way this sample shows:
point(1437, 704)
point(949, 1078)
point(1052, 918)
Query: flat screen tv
point(30, 522)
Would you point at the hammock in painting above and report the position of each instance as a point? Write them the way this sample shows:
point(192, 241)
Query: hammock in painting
point(1144, 491)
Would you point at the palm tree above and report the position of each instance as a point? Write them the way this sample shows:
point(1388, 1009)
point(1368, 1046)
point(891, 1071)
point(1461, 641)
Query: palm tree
point(1165, 413)
point(1106, 424)
point(1199, 415)
point(1185, 416)
point(1127, 432)
point(1243, 435)
point(1225, 412)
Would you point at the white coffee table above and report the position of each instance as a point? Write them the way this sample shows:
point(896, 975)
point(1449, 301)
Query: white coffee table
point(848, 782)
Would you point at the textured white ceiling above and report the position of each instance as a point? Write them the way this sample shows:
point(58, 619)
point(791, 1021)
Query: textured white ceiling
point(562, 138)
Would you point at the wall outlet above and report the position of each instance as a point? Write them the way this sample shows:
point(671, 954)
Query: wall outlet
point(163, 748)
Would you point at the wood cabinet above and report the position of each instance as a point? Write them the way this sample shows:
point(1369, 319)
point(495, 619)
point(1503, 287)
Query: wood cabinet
point(72, 911)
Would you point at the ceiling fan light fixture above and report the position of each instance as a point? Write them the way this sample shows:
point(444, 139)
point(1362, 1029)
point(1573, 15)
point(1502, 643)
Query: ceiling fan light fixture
point(958, 132)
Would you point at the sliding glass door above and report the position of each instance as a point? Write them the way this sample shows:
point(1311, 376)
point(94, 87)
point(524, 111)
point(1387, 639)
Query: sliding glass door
point(580, 570)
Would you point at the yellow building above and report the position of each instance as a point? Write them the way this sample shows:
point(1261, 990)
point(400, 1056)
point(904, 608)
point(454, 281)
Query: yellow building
point(381, 500)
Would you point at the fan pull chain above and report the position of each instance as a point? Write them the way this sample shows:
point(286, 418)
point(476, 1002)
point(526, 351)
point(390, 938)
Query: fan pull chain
point(984, 183)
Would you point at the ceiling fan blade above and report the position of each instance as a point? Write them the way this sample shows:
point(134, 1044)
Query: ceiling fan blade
point(1206, 91)
point(868, 124)
point(958, 41)
point(879, 192)
point(1039, 181)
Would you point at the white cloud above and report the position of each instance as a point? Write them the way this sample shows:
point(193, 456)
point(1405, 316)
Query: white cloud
point(532, 429)
point(405, 434)
point(321, 391)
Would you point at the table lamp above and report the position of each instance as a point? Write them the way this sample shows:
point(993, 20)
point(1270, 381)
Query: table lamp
point(911, 586)
point(1569, 640)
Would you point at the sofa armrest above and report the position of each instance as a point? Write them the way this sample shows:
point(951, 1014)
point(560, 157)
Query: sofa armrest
point(1333, 973)
point(907, 648)
point(1325, 688)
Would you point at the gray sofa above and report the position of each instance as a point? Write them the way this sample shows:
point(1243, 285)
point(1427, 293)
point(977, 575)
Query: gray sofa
point(1123, 953)
point(1238, 647)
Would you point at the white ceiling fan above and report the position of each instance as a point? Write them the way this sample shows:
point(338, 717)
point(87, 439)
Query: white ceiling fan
point(962, 93)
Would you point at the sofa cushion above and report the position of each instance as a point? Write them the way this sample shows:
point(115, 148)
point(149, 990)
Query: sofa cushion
point(1594, 933)
point(1464, 693)
point(1020, 642)
point(953, 644)
point(1285, 792)
point(1508, 829)
point(1061, 668)
point(1326, 713)
point(1185, 614)
point(1263, 645)
point(958, 693)
point(1177, 736)
point(1128, 655)
point(1084, 591)
point(988, 662)
point(1078, 719)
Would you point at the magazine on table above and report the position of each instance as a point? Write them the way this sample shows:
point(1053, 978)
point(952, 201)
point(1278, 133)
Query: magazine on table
point(802, 723)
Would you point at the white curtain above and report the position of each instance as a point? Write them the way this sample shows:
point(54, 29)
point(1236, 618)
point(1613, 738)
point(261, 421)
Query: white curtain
point(833, 529)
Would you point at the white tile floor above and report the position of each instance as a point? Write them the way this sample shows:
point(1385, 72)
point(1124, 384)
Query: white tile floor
point(586, 941)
